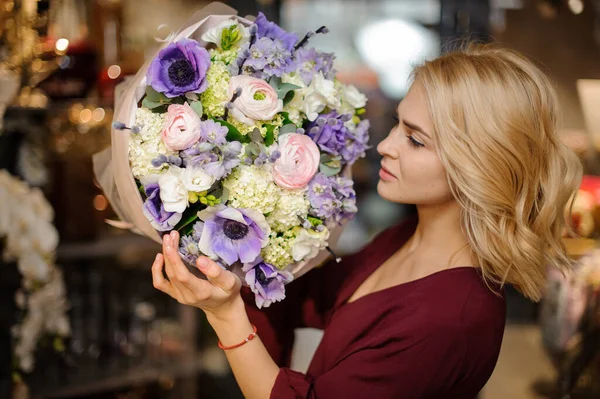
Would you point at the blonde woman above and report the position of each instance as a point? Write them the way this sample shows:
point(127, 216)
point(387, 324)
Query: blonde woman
point(420, 312)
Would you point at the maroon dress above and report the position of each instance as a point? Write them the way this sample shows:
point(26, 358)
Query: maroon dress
point(436, 337)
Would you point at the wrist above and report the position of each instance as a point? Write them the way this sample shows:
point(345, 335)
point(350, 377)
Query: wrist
point(233, 313)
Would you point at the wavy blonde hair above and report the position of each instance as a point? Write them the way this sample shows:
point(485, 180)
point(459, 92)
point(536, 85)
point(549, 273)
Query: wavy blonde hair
point(495, 120)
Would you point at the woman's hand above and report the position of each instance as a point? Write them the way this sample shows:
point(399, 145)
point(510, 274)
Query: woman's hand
point(219, 296)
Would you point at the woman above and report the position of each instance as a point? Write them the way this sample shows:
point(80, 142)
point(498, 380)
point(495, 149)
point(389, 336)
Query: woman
point(418, 313)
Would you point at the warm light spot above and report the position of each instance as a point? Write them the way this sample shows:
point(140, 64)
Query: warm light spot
point(62, 45)
point(114, 71)
point(100, 202)
point(85, 115)
point(98, 114)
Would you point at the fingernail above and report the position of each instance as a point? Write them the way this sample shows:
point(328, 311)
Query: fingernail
point(174, 234)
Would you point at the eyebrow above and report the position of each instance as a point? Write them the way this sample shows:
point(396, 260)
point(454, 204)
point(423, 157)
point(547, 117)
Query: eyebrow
point(416, 128)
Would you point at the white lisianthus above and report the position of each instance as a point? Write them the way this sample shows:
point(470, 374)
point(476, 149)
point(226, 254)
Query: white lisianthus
point(173, 193)
point(352, 96)
point(215, 34)
point(320, 94)
point(196, 179)
point(309, 243)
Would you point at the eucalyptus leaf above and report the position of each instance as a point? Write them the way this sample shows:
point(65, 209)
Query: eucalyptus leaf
point(152, 94)
point(147, 103)
point(289, 96)
point(329, 171)
point(197, 107)
point(254, 149)
point(256, 136)
point(289, 128)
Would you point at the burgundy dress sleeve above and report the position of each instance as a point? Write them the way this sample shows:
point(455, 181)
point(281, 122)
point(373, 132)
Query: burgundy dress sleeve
point(388, 369)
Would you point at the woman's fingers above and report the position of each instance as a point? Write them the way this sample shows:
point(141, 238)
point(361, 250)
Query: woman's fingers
point(158, 279)
point(192, 288)
point(220, 277)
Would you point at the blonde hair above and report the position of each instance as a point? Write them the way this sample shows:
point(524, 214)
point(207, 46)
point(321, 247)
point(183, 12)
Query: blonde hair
point(495, 120)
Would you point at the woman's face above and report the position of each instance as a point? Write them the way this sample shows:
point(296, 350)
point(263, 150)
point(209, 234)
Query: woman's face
point(411, 171)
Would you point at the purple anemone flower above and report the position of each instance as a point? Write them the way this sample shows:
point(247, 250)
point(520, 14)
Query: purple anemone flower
point(233, 234)
point(267, 283)
point(180, 68)
point(154, 210)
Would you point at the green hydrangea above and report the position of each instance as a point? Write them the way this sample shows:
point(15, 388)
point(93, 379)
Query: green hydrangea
point(252, 187)
point(225, 56)
point(215, 96)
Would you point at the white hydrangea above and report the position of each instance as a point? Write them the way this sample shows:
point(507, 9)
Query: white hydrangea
point(152, 123)
point(148, 144)
point(252, 187)
point(294, 107)
point(291, 205)
point(279, 250)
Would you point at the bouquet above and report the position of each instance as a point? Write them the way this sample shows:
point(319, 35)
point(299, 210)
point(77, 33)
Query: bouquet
point(239, 137)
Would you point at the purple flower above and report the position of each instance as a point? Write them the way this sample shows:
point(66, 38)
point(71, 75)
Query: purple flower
point(180, 68)
point(329, 132)
point(332, 198)
point(356, 143)
point(217, 161)
point(226, 162)
point(154, 210)
point(310, 62)
point(269, 57)
point(274, 31)
point(233, 234)
point(267, 283)
point(213, 132)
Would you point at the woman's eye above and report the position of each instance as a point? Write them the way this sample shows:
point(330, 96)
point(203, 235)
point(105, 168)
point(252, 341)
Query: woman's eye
point(413, 142)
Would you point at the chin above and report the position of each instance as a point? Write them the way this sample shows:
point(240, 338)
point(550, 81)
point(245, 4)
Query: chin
point(389, 192)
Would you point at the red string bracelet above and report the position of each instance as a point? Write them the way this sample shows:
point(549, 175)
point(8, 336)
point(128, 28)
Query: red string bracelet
point(250, 338)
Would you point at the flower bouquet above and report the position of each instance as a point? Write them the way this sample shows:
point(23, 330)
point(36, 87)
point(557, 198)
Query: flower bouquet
point(238, 136)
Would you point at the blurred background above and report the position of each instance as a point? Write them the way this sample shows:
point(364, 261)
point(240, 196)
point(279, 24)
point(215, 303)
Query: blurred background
point(60, 61)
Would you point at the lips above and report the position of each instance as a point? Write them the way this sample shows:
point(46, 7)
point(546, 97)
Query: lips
point(387, 170)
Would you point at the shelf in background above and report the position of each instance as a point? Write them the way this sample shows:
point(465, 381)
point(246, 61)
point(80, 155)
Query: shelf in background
point(104, 247)
point(123, 378)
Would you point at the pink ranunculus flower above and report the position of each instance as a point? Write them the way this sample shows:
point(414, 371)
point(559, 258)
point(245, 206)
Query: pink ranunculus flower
point(182, 127)
point(257, 101)
point(298, 163)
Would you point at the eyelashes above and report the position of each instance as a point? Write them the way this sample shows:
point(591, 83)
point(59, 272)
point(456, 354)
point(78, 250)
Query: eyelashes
point(413, 142)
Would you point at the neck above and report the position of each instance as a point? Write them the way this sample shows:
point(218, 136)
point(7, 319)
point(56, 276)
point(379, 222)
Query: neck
point(439, 232)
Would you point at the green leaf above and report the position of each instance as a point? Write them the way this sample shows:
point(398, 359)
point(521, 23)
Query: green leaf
point(147, 103)
point(281, 88)
point(141, 189)
point(286, 118)
point(152, 94)
point(328, 170)
point(233, 134)
point(289, 96)
point(197, 107)
point(190, 215)
point(270, 137)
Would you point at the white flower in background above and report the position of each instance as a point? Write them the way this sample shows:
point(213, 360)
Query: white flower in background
point(30, 240)
point(308, 243)
point(215, 34)
point(196, 179)
point(34, 267)
point(173, 193)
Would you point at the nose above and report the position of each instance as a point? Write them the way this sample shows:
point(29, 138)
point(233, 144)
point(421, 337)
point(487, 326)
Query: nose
point(388, 147)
